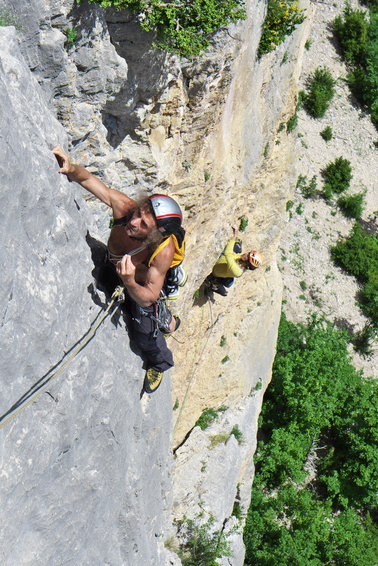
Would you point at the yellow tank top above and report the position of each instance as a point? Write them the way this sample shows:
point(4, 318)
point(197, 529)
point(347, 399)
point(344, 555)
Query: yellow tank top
point(178, 255)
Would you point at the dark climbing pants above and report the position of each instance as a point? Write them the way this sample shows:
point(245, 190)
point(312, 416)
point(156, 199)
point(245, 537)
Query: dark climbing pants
point(143, 331)
point(149, 338)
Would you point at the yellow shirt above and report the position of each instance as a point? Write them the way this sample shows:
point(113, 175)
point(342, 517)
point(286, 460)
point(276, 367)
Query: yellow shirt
point(227, 265)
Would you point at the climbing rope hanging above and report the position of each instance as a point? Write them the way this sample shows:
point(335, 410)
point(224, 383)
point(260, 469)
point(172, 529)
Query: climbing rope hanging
point(41, 384)
point(195, 362)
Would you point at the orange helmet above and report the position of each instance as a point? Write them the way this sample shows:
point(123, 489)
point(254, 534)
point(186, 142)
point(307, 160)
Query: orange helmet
point(255, 259)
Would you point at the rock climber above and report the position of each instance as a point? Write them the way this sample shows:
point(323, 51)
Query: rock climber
point(154, 225)
point(231, 263)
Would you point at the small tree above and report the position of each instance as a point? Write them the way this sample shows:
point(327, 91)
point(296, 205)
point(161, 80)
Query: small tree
point(352, 205)
point(202, 546)
point(351, 30)
point(337, 176)
point(327, 133)
point(321, 88)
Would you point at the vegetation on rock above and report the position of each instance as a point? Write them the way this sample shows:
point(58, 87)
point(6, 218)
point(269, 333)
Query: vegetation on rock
point(320, 91)
point(358, 38)
point(183, 27)
point(281, 19)
point(358, 256)
point(337, 176)
point(316, 482)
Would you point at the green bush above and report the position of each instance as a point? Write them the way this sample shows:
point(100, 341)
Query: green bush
point(337, 176)
point(363, 340)
point(352, 205)
point(369, 298)
point(281, 19)
point(71, 35)
point(320, 91)
point(319, 419)
point(351, 30)
point(307, 190)
point(358, 254)
point(327, 133)
point(208, 416)
point(359, 40)
point(201, 545)
point(292, 123)
point(184, 27)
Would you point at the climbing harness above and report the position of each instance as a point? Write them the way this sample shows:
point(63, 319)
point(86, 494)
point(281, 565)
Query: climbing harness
point(40, 386)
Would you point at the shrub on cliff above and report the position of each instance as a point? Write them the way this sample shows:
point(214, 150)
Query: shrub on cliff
point(358, 37)
point(183, 27)
point(351, 30)
point(337, 176)
point(281, 19)
point(320, 91)
point(351, 205)
point(358, 255)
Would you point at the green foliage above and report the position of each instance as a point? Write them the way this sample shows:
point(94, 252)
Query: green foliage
point(238, 434)
point(292, 123)
point(337, 176)
point(243, 224)
point(351, 205)
point(281, 20)
point(184, 27)
point(292, 528)
point(358, 254)
point(223, 341)
point(7, 19)
point(208, 416)
point(308, 44)
point(220, 438)
point(301, 99)
point(318, 423)
point(307, 190)
point(71, 35)
point(358, 37)
point(289, 205)
point(201, 545)
point(327, 133)
point(362, 340)
point(369, 298)
point(351, 30)
point(320, 91)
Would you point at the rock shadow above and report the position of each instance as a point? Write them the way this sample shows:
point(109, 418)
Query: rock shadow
point(106, 281)
point(146, 75)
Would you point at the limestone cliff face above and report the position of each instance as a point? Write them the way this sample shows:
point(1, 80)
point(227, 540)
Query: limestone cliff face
point(88, 474)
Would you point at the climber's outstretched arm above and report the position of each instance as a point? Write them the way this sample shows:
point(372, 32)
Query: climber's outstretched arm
point(115, 199)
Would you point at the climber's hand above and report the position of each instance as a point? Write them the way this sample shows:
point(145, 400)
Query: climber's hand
point(126, 269)
point(63, 160)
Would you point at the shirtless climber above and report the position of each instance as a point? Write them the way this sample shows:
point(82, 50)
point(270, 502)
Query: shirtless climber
point(155, 224)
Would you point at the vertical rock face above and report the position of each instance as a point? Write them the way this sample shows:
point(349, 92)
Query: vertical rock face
point(86, 468)
point(88, 474)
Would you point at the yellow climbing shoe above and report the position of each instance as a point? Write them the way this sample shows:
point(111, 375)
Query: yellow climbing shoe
point(152, 380)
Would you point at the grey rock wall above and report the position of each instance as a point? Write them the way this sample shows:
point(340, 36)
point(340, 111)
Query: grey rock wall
point(86, 468)
point(87, 472)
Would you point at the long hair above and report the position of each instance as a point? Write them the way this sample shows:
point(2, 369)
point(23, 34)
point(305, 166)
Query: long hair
point(155, 237)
